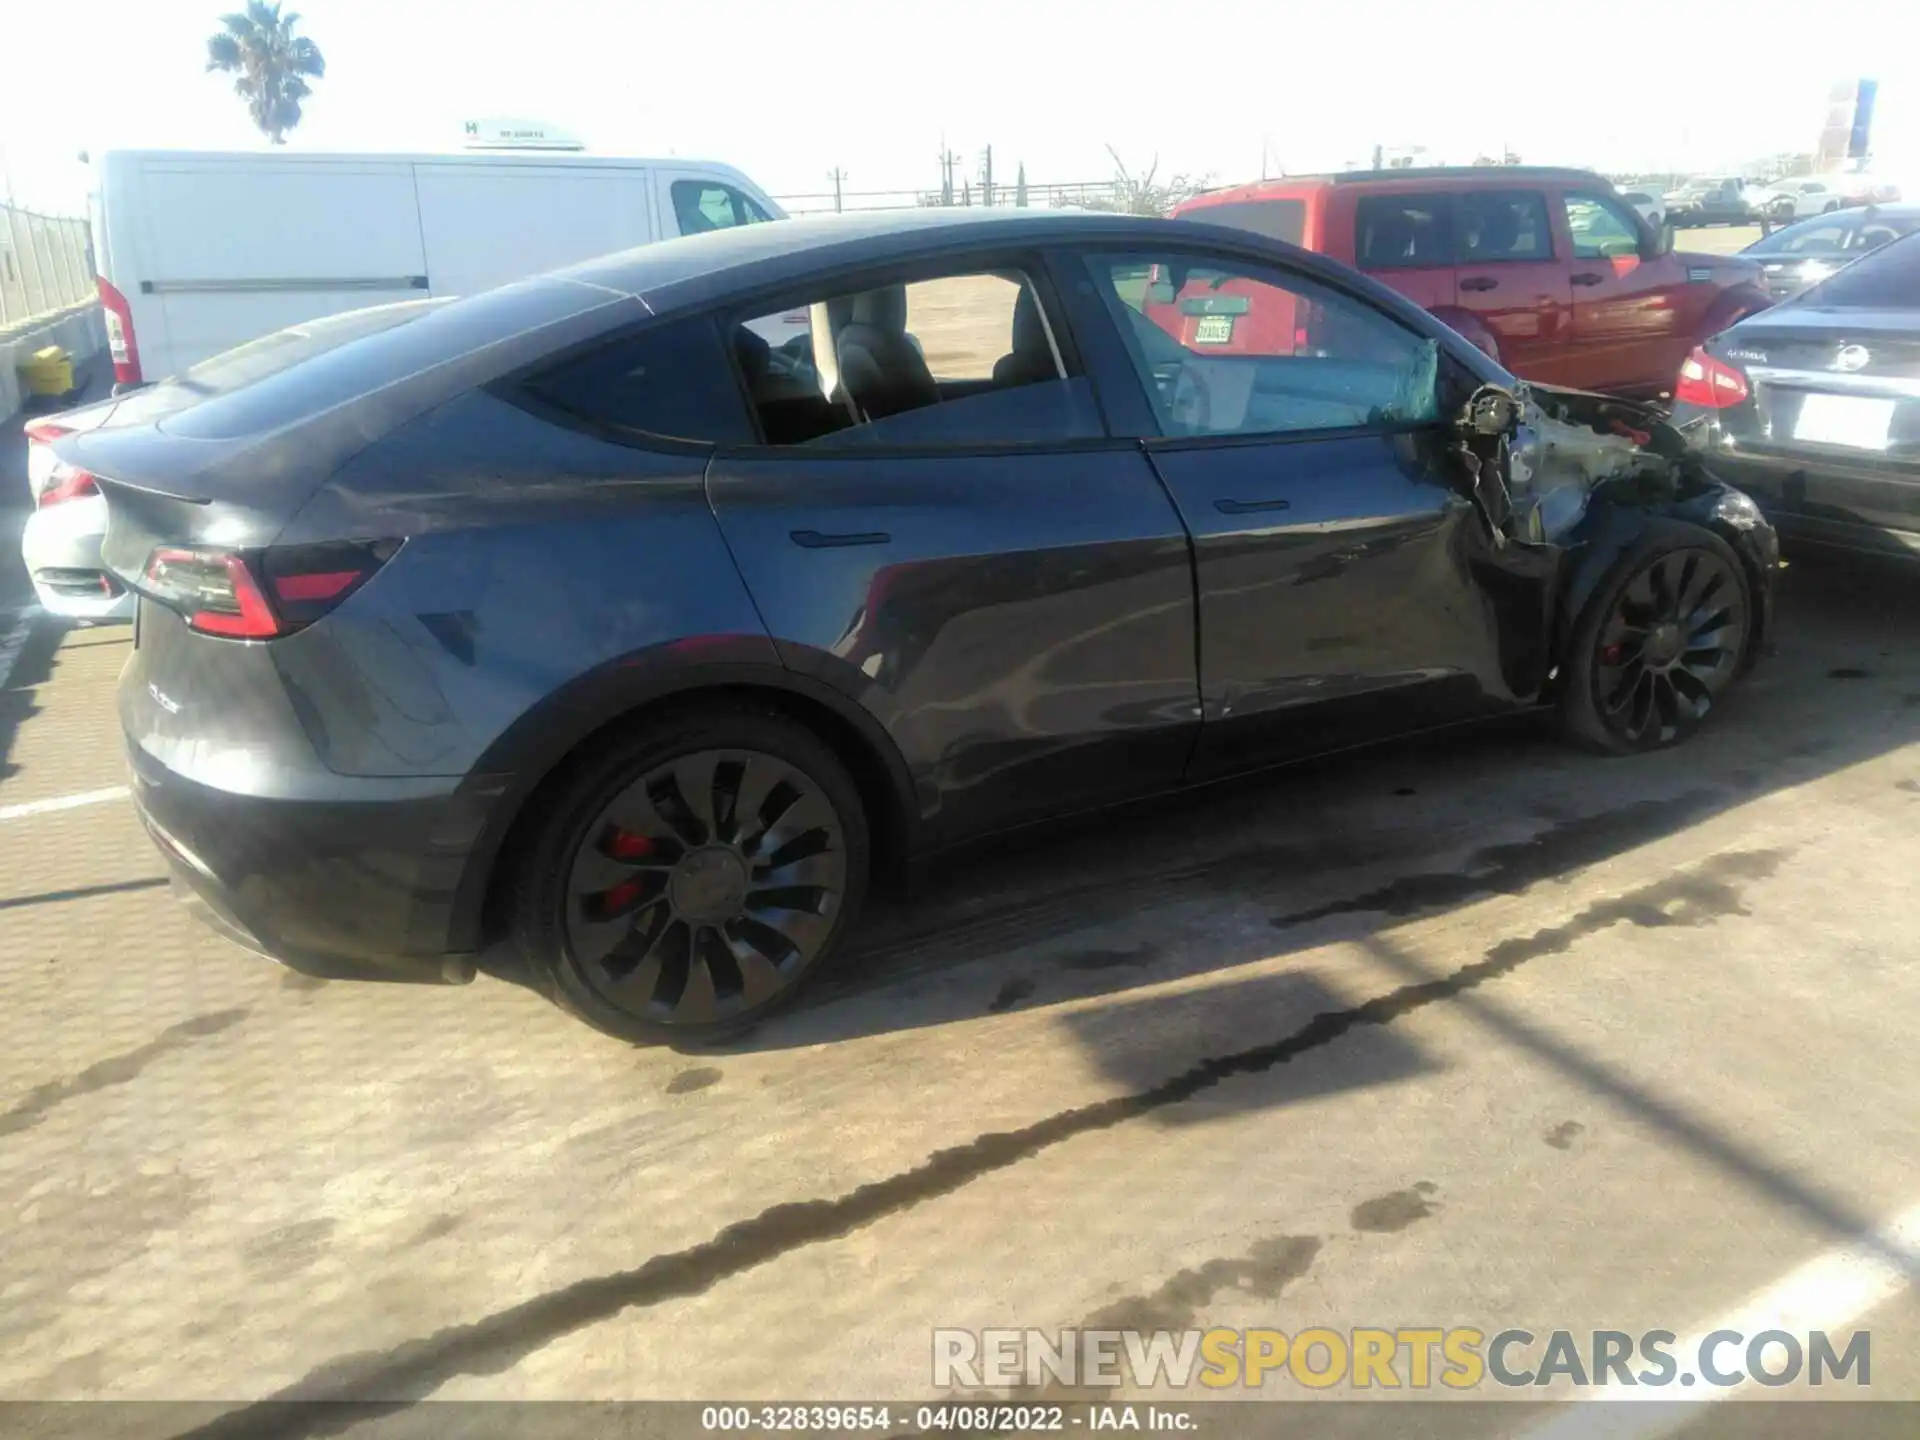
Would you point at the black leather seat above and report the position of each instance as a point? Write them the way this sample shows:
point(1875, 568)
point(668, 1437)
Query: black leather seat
point(881, 370)
point(1031, 359)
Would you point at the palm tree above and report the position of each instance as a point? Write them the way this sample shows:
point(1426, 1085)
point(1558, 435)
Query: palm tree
point(269, 64)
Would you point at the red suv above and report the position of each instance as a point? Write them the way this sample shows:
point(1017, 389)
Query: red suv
point(1547, 270)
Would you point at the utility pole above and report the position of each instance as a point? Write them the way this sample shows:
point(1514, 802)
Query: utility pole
point(986, 177)
point(836, 175)
point(947, 161)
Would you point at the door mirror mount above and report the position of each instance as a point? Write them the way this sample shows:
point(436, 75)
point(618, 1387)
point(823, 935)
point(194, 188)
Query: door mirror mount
point(1490, 411)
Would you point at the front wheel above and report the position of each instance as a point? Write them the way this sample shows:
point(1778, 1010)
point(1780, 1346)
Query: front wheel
point(685, 880)
point(1659, 644)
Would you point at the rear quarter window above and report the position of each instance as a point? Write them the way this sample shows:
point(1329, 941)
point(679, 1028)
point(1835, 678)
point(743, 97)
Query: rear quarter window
point(350, 361)
point(669, 381)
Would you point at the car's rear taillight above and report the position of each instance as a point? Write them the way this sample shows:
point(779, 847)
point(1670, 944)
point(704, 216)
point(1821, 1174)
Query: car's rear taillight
point(1709, 383)
point(121, 341)
point(51, 478)
point(259, 596)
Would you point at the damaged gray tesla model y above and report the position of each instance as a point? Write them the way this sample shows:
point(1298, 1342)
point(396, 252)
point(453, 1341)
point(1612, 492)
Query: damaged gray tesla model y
point(632, 615)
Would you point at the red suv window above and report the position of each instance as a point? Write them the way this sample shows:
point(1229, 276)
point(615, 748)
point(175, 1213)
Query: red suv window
point(1397, 232)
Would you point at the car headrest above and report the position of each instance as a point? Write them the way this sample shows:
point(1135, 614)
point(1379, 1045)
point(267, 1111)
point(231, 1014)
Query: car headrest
point(884, 309)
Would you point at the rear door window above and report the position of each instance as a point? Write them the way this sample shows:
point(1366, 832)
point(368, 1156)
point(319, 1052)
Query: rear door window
point(1499, 225)
point(1397, 232)
point(962, 361)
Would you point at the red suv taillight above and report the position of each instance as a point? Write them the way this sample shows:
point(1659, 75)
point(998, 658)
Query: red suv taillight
point(122, 344)
point(51, 478)
point(259, 596)
point(1709, 383)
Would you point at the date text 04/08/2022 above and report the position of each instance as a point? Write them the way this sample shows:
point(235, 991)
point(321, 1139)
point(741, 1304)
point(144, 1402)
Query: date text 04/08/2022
point(964, 1418)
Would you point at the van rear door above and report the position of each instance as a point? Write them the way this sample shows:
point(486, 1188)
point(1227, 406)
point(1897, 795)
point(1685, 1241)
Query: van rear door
point(236, 247)
point(487, 224)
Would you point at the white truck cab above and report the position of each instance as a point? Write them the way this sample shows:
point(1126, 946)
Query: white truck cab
point(199, 252)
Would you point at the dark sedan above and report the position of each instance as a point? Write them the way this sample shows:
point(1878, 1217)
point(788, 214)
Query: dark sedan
point(607, 617)
point(1814, 406)
point(1808, 252)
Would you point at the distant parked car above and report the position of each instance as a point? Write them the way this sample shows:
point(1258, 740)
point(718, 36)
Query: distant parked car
point(1789, 200)
point(1812, 407)
point(1724, 200)
point(575, 614)
point(1809, 251)
point(1549, 271)
point(1652, 209)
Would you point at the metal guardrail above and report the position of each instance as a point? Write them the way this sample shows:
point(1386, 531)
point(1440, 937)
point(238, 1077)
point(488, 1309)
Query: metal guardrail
point(46, 265)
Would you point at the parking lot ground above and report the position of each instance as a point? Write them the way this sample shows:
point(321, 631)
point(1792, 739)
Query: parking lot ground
point(1716, 239)
point(1479, 1031)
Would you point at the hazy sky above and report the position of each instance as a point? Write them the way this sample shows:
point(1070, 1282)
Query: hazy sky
point(787, 91)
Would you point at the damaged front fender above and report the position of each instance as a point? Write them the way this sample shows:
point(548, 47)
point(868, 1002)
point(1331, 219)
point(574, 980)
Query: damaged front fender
point(1566, 482)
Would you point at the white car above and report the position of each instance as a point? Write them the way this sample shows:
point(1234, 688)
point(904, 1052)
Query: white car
point(1652, 209)
point(1798, 198)
point(61, 540)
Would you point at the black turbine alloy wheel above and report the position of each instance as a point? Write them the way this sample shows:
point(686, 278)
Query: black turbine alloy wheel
point(706, 888)
point(1669, 645)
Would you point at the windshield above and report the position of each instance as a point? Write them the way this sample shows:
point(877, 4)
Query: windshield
point(1886, 279)
point(1845, 231)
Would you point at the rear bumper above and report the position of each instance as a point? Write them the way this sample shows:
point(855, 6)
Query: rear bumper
point(1810, 498)
point(61, 548)
point(360, 888)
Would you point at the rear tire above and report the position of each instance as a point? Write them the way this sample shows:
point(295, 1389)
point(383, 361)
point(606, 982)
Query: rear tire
point(1658, 645)
point(684, 880)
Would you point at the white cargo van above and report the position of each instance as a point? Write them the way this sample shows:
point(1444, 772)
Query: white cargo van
point(200, 252)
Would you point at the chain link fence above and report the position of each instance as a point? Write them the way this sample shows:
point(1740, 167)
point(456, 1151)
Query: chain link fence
point(46, 265)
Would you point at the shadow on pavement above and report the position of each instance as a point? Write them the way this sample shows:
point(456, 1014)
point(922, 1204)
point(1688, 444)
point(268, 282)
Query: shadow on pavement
point(1327, 851)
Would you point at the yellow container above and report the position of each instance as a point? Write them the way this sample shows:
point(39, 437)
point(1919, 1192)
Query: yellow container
point(48, 372)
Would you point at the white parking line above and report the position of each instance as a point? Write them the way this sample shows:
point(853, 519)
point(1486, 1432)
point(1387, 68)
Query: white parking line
point(63, 802)
point(1828, 1293)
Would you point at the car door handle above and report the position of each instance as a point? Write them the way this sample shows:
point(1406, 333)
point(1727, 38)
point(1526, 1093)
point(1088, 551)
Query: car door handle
point(815, 540)
point(1479, 282)
point(1248, 507)
point(1586, 277)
